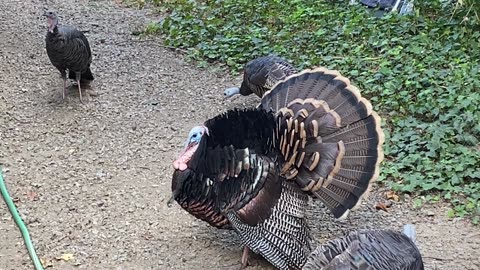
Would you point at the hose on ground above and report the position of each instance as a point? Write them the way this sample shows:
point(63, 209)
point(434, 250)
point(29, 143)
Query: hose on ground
point(20, 224)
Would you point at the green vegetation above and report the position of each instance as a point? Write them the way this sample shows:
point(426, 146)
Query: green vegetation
point(420, 71)
point(152, 28)
point(465, 9)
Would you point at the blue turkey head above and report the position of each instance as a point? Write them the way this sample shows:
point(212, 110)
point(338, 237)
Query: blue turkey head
point(194, 137)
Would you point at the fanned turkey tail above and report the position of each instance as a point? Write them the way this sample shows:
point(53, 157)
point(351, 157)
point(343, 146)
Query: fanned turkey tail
point(328, 135)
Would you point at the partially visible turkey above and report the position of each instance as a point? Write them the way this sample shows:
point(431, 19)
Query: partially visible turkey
point(368, 250)
point(253, 169)
point(68, 49)
point(260, 75)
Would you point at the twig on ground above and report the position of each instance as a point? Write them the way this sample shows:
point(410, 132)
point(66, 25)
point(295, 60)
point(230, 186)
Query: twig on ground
point(435, 258)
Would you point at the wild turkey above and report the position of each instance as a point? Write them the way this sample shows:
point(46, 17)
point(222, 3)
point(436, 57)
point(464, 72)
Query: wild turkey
point(253, 169)
point(403, 7)
point(368, 250)
point(260, 75)
point(68, 48)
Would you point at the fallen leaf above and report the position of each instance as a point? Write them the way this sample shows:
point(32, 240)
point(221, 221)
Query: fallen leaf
point(32, 195)
point(46, 263)
point(381, 206)
point(66, 257)
point(392, 196)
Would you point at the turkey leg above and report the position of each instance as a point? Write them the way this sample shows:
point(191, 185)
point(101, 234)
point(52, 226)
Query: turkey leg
point(64, 77)
point(245, 258)
point(79, 75)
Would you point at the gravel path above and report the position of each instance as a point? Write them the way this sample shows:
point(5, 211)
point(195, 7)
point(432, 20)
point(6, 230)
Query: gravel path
point(93, 180)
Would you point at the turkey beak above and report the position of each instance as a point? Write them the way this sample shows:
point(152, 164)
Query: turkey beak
point(188, 144)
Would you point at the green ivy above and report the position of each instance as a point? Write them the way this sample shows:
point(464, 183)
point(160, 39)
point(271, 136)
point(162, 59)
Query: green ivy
point(420, 71)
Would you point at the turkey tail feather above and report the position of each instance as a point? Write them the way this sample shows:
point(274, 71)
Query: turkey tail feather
point(409, 231)
point(329, 136)
point(86, 75)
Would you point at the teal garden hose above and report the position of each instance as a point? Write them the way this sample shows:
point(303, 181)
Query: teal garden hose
point(18, 220)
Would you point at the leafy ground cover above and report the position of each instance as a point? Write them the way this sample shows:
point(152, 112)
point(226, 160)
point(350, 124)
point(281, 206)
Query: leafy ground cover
point(420, 71)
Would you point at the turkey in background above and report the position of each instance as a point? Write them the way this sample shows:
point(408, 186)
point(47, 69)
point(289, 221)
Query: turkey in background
point(260, 75)
point(403, 7)
point(254, 169)
point(369, 250)
point(68, 49)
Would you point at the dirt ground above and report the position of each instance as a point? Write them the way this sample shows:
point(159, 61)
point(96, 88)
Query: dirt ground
point(93, 180)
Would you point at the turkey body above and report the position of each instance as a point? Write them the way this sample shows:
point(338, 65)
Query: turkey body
point(68, 49)
point(254, 170)
point(261, 74)
point(367, 250)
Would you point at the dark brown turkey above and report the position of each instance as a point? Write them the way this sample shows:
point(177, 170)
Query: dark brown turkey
point(253, 169)
point(260, 75)
point(68, 49)
point(369, 250)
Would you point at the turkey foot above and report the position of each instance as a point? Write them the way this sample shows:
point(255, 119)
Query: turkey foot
point(91, 93)
point(244, 258)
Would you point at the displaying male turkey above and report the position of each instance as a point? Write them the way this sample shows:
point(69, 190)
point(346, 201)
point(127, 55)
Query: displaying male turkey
point(68, 49)
point(253, 169)
point(260, 75)
point(368, 250)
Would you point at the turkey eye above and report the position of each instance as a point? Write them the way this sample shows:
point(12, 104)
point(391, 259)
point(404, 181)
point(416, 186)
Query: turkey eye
point(194, 135)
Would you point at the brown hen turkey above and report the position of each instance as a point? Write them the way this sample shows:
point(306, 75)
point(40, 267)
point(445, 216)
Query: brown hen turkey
point(68, 49)
point(253, 170)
